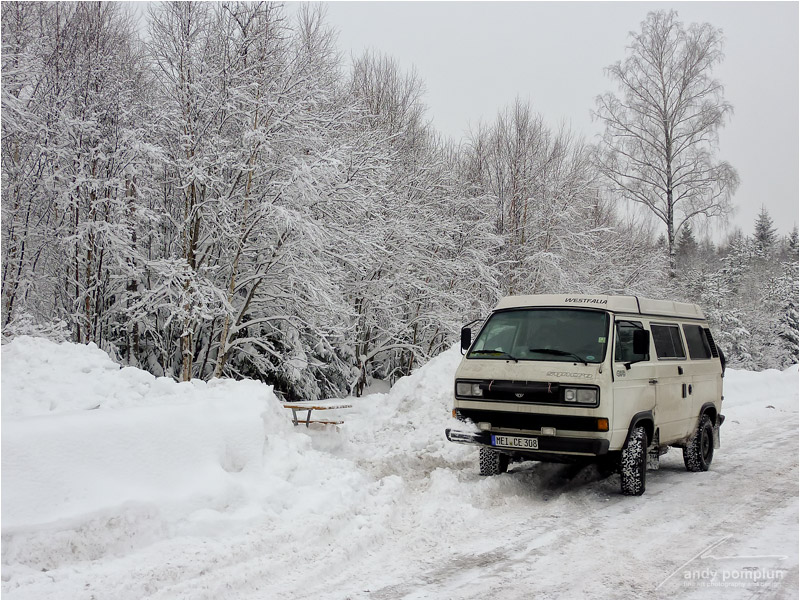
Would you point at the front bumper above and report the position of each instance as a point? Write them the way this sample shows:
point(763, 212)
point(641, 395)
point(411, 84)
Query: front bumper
point(547, 444)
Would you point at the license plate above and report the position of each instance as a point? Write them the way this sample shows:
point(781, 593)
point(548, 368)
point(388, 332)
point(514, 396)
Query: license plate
point(516, 442)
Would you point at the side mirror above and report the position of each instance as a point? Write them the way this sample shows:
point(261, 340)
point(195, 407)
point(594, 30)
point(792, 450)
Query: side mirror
point(641, 342)
point(466, 338)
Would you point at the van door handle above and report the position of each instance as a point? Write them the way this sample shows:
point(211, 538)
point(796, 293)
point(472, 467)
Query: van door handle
point(653, 381)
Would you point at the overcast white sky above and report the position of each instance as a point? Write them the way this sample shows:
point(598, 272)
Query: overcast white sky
point(476, 57)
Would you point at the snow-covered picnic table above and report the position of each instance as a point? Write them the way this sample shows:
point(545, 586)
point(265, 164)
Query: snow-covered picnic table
point(310, 406)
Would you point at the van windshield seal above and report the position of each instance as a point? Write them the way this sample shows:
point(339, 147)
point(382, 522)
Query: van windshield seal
point(544, 334)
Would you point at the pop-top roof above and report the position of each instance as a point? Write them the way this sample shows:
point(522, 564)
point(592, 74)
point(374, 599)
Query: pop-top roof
point(617, 304)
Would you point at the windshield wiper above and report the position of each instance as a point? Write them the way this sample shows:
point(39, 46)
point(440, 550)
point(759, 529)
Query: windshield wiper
point(491, 352)
point(560, 353)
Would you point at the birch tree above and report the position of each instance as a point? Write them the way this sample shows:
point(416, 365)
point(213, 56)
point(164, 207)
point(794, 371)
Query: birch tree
point(286, 293)
point(28, 89)
point(72, 76)
point(188, 49)
point(661, 127)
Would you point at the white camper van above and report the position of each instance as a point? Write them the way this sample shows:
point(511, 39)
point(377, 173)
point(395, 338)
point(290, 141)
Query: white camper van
point(612, 379)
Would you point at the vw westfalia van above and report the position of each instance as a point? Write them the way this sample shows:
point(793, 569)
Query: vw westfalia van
point(612, 379)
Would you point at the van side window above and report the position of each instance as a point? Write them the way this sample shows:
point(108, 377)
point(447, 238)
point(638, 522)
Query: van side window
point(711, 343)
point(623, 350)
point(667, 340)
point(697, 342)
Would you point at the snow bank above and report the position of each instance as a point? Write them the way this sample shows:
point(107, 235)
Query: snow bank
point(404, 429)
point(82, 436)
point(753, 391)
point(43, 378)
point(100, 460)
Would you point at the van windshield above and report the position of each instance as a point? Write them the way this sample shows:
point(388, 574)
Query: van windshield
point(568, 335)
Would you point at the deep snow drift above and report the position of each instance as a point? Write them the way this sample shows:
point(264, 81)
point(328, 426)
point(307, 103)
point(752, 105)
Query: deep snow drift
point(117, 484)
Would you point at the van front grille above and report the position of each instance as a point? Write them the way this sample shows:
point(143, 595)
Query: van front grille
point(521, 392)
point(530, 421)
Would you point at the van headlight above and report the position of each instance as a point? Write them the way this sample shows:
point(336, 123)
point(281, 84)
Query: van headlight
point(468, 389)
point(586, 396)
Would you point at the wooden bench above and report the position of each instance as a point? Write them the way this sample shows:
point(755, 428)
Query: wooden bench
point(310, 406)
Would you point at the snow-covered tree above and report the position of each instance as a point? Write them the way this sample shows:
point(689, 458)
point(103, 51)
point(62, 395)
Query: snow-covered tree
point(71, 150)
point(764, 234)
point(231, 200)
point(555, 221)
point(687, 248)
point(661, 130)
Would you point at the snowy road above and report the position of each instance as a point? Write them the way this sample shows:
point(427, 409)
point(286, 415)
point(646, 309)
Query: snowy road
point(387, 509)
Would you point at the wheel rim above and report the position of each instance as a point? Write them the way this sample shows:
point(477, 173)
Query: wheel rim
point(706, 448)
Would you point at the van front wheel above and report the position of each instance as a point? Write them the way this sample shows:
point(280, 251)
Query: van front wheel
point(699, 451)
point(633, 463)
point(492, 463)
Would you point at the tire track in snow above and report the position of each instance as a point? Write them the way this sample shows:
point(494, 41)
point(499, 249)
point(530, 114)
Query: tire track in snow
point(745, 486)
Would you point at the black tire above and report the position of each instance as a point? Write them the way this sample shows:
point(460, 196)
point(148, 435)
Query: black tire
point(699, 451)
point(492, 463)
point(633, 463)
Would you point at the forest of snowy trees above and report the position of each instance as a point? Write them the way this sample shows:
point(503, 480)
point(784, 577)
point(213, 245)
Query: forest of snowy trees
point(224, 195)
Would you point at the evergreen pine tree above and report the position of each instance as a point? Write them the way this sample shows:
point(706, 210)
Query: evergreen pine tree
point(764, 234)
point(788, 321)
point(792, 244)
point(686, 250)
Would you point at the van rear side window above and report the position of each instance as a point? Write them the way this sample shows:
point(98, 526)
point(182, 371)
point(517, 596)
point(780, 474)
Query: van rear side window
point(667, 340)
point(697, 342)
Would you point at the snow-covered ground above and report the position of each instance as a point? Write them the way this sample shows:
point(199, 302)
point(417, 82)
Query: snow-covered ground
point(116, 484)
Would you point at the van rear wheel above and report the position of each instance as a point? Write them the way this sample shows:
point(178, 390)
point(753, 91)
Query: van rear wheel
point(492, 463)
point(633, 463)
point(699, 451)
